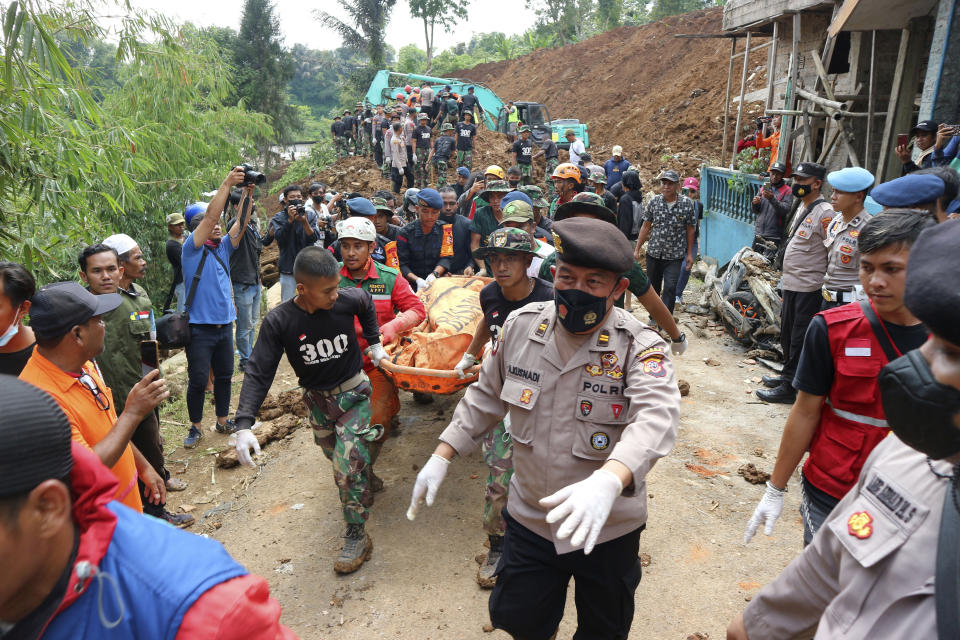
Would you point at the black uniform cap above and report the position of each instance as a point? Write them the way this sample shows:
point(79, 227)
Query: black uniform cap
point(931, 294)
point(587, 242)
point(36, 438)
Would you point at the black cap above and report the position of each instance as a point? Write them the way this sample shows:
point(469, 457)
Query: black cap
point(810, 170)
point(36, 438)
point(779, 166)
point(925, 125)
point(586, 242)
point(930, 296)
point(59, 306)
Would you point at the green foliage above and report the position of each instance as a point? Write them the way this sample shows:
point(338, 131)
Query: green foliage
point(664, 8)
point(321, 156)
point(748, 163)
point(412, 59)
point(608, 14)
point(365, 30)
point(434, 12)
point(83, 156)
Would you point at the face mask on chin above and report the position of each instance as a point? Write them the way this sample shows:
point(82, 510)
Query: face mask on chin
point(579, 311)
point(919, 409)
point(12, 331)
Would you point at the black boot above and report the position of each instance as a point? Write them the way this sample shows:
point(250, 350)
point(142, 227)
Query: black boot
point(772, 381)
point(783, 394)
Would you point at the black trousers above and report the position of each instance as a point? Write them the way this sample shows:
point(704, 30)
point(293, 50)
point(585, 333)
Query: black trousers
point(663, 276)
point(398, 179)
point(796, 313)
point(528, 599)
point(378, 152)
point(146, 438)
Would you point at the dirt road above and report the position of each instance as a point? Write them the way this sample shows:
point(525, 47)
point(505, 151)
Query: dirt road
point(283, 521)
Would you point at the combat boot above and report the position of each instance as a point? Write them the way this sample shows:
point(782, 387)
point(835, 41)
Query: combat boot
point(356, 549)
point(485, 574)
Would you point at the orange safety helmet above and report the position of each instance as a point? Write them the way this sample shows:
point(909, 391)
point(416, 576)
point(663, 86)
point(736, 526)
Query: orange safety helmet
point(567, 170)
point(399, 96)
point(408, 89)
point(495, 170)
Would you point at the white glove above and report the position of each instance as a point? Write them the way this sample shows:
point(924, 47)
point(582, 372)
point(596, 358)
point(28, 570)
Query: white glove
point(678, 346)
point(377, 354)
point(244, 442)
point(414, 157)
point(400, 170)
point(431, 278)
point(767, 511)
point(465, 363)
point(422, 284)
point(584, 506)
point(428, 482)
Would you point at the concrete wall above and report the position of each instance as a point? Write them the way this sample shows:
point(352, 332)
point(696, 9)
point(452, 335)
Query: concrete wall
point(941, 91)
point(741, 13)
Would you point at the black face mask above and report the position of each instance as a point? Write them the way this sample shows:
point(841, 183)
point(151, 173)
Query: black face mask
point(800, 190)
point(316, 199)
point(579, 311)
point(919, 409)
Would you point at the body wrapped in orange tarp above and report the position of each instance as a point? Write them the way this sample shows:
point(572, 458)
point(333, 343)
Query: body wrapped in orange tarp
point(453, 313)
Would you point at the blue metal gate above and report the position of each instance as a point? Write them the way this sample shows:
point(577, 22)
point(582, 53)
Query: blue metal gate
point(727, 217)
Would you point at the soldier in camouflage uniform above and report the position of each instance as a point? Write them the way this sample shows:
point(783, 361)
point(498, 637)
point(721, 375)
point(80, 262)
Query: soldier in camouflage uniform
point(337, 132)
point(421, 137)
point(316, 332)
point(510, 252)
point(443, 147)
point(358, 117)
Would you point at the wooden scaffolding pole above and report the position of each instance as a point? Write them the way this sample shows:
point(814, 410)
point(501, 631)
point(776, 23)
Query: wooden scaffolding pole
point(772, 64)
point(743, 87)
point(726, 106)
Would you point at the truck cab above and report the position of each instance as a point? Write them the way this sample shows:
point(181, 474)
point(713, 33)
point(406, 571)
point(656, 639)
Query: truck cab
point(533, 114)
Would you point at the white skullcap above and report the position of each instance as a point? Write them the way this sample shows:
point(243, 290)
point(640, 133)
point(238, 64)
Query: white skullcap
point(120, 242)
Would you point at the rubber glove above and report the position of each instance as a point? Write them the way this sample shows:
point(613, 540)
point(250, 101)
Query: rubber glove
point(767, 512)
point(584, 507)
point(431, 278)
point(377, 354)
point(244, 443)
point(400, 170)
point(421, 285)
point(428, 483)
point(388, 333)
point(679, 346)
point(414, 158)
point(465, 363)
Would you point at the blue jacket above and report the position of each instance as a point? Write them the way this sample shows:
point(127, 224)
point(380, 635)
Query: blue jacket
point(614, 170)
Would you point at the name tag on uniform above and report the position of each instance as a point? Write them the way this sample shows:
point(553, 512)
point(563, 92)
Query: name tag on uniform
point(857, 348)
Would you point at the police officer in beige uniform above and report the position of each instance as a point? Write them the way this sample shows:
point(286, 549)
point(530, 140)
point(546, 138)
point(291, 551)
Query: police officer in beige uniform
point(804, 265)
point(841, 283)
point(592, 403)
point(873, 566)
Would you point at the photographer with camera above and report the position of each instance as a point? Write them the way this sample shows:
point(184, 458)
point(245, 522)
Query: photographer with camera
point(772, 141)
point(294, 228)
point(320, 206)
point(245, 276)
point(206, 259)
point(772, 205)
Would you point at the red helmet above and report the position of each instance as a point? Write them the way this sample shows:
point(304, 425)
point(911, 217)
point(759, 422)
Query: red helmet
point(408, 89)
point(399, 96)
point(416, 89)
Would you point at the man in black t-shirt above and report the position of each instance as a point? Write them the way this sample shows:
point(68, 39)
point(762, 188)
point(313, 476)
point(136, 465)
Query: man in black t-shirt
point(510, 252)
point(316, 331)
point(440, 154)
point(468, 102)
point(337, 132)
point(523, 155)
point(838, 414)
point(174, 248)
point(466, 132)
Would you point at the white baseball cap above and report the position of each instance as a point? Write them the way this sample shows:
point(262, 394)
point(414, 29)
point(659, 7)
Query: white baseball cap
point(617, 150)
point(357, 227)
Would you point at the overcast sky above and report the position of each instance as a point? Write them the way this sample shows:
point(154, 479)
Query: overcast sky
point(299, 26)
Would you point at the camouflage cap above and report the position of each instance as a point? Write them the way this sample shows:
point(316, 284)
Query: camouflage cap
point(535, 194)
point(517, 211)
point(446, 127)
point(388, 110)
point(495, 186)
point(422, 116)
point(506, 239)
point(586, 202)
point(381, 205)
point(523, 128)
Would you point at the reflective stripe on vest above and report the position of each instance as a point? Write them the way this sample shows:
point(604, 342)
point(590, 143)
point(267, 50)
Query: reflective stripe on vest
point(854, 417)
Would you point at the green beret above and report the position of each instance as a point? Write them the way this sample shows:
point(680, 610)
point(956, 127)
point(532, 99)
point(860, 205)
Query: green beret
point(586, 202)
point(586, 242)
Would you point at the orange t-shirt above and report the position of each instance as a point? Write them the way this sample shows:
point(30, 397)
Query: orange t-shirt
point(88, 422)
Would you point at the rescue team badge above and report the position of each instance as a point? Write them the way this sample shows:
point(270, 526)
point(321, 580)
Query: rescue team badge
point(526, 395)
point(593, 369)
point(608, 360)
point(377, 288)
point(860, 525)
point(615, 373)
point(599, 441)
point(585, 407)
point(617, 410)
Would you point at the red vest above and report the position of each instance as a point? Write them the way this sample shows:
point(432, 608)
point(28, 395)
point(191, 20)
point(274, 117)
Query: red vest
point(851, 417)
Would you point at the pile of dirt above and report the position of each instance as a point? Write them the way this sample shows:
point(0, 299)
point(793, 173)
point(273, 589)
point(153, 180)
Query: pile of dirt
point(659, 97)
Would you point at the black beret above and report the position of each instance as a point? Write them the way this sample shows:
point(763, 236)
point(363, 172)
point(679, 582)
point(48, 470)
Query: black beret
point(36, 438)
point(587, 242)
point(930, 296)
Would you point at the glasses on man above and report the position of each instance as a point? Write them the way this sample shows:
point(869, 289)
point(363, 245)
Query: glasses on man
point(98, 395)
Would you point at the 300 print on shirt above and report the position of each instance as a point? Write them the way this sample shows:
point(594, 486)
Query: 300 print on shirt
point(324, 349)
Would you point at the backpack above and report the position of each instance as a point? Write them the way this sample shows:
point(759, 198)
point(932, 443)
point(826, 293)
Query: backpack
point(637, 217)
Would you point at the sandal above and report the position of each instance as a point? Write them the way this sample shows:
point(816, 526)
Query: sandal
point(175, 484)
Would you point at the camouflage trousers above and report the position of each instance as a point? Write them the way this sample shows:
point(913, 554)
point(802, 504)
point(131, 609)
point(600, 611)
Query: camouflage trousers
point(552, 164)
point(340, 144)
point(385, 169)
point(465, 158)
point(363, 144)
point(441, 168)
point(349, 144)
point(497, 447)
point(422, 171)
point(342, 429)
point(526, 170)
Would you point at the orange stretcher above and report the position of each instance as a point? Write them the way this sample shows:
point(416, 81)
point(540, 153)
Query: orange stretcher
point(423, 359)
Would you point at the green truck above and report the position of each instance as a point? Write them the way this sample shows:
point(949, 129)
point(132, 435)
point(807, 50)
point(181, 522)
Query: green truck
point(387, 84)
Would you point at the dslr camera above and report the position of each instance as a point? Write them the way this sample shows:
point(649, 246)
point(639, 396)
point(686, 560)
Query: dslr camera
point(301, 209)
point(251, 176)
